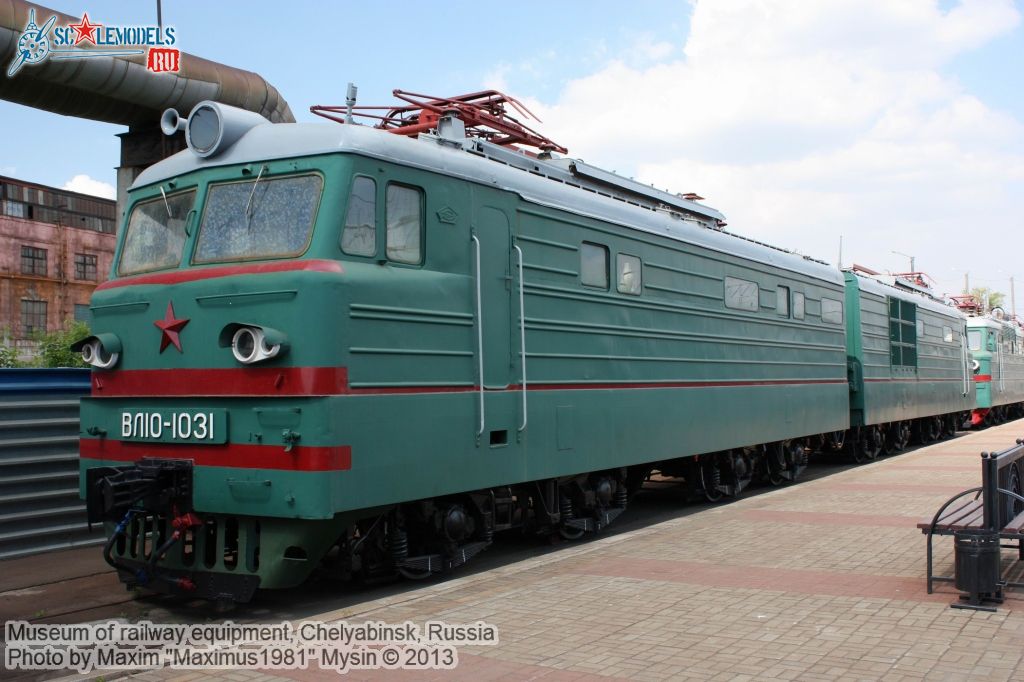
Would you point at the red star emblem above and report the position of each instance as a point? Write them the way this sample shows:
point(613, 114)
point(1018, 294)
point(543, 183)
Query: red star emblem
point(85, 30)
point(170, 328)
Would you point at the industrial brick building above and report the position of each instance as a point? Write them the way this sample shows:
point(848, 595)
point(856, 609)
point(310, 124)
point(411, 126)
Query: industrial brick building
point(56, 246)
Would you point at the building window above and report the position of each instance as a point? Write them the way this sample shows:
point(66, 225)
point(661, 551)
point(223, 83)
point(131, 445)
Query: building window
point(33, 261)
point(782, 301)
point(903, 333)
point(404, 209)
point(33, 317)
point(594, 265)
point(359, 237)
point(82, 313)
point(831, 311)
point(798, 305)
point(85, 266)
point(629, 274)
point(741, 294)
point(15, 209)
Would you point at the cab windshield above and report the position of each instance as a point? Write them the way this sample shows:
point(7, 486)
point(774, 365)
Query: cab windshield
point(974, 339)
point(156, 234)
point(264, 218)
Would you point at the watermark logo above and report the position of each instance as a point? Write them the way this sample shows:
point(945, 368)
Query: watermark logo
point(51, 41)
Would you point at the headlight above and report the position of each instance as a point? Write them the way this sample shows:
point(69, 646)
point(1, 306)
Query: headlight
point(249, 345)
point(101, 351)
point(975, 366)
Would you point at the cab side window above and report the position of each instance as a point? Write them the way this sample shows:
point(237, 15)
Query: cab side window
point(630, 273)
point(404, 212)
point(359, 236)
point(594, 265)
point(799, 305)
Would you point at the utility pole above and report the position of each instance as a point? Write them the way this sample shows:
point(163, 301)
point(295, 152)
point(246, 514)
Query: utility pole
point(1013, 300)
point(907, 255)
point(840, 252)
point(967, 283)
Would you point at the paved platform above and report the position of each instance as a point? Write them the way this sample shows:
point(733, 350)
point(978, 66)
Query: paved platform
point(821, 581)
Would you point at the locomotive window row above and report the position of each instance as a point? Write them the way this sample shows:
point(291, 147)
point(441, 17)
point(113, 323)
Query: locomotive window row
point(359, 236)
point(156, 234)
point(594, 269)
point(403, 210)
point(831, 311)
point(404, 218)
point(741, 294)
point(782, 301)
point(903, 331)
point(594, 265)
point(799, 305)
point(629, 275)
point(259, 219)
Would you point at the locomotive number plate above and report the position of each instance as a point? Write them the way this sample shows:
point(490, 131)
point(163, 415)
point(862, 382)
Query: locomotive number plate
point(178, 426)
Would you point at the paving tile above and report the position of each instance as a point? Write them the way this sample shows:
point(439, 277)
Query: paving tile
point(822, 581)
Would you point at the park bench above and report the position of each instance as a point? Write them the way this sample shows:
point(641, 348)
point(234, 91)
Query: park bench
point(980, 525)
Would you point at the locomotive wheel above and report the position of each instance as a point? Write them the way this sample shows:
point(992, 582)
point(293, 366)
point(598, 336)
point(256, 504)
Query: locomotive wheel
point(784, 462)
point(897, 436)
point(928, 430)
point(566, 507)
point(904, 434)
point(948, 426)
point(835, 441)
point(867, 444)
point(711, 475)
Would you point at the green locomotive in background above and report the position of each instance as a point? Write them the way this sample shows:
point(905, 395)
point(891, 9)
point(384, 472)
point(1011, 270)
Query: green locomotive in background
point(997, 346)
point(336, 342)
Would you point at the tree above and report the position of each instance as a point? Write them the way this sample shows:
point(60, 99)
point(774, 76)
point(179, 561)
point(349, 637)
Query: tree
point(988, 298)
point(55, 347)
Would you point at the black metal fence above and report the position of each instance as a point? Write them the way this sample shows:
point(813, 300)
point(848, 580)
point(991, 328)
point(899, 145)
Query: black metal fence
point(39, 505)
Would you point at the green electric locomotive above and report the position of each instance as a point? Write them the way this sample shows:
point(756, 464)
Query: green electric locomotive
point(997, 346)
point(337, 343)
point(910, 372)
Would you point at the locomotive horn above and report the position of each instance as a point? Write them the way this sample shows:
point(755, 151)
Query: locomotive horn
point(171, 122)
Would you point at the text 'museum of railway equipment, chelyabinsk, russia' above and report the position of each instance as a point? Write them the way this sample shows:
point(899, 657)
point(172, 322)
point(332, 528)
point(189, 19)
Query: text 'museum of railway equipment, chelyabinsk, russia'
point(372, 347)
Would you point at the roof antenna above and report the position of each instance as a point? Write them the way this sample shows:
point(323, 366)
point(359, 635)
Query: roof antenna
point(350, 101)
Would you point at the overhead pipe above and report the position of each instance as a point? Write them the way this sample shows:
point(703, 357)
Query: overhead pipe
point(121, 89)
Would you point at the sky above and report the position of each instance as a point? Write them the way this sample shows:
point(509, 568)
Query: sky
point(896, 126)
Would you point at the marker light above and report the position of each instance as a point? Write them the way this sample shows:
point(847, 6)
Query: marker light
point(249, 345)
point(102, 351)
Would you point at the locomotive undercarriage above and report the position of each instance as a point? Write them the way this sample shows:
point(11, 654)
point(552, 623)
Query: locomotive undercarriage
point(158, 542)
point(426, 537)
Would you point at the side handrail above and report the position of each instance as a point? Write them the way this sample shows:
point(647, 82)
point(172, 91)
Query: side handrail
point(964, 362)
point(1002, 384)
point(479, 334)
point(522, 331)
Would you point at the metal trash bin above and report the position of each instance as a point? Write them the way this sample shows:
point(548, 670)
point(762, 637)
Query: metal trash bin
point(976, 561)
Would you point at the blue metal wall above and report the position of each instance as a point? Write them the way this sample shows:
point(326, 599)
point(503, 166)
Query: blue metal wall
point(39, 505)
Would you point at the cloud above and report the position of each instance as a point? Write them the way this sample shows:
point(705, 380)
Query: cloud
point(84, 184)
point(805, 121)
